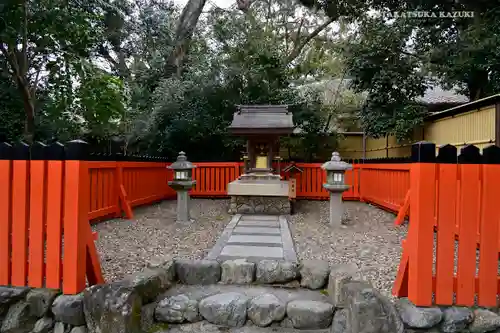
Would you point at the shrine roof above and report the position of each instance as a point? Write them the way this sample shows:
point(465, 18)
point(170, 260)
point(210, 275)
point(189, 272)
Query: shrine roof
point(262, 118)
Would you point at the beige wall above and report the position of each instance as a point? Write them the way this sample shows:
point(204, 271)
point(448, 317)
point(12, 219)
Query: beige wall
point(475, 127)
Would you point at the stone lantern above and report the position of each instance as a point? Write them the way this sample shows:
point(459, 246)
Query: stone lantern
point(182, 183)
point(335, 184)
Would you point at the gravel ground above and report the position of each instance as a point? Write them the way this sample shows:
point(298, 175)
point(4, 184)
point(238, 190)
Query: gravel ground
point(125, 246)
point(369, 239)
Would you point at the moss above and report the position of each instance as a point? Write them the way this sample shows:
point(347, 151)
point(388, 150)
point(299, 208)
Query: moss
point(220, 218)
point(324, 292)
point(158, 327)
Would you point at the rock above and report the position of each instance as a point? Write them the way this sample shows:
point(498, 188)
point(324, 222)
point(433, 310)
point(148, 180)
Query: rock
point(148, 316)
point(198, 271)
point(149, 283)
point(164, 263)
point(79, 329)
point(418, 317)
point(264, 309)
point(484, 321)
point(112, 308)
point(456, 319)
point(237, 271)
point(18, 319)
point(339, 275)
point(40, 300)
point(314, 273)
point(177, 309)
point(369, 311)
point(60, 327)
point(273, 271)
point(43, 325)
point(340, 322)
point(69, 309)
point(9, 295)
point(228, 309)
point(309, 314)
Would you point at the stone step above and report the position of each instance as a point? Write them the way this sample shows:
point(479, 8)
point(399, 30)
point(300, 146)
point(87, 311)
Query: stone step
point(259, 217)
point(265, 240)
point(256, 231)
point(254, 251)
point(260, 224)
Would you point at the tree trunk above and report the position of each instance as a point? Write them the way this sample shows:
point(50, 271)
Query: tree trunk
point(29, 109)
point(184, 31)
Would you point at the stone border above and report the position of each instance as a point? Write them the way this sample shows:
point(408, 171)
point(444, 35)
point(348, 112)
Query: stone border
point(224, 237)
point(138, 304)
point(286, 238)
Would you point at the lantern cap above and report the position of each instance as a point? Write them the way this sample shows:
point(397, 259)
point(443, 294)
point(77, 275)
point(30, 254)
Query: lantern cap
point(182, 163)
point(336, 164)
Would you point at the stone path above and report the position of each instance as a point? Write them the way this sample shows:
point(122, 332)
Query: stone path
point(255, 237)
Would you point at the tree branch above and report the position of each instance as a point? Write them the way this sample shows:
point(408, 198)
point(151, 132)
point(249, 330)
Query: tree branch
point(24, 53)
point(298, 47)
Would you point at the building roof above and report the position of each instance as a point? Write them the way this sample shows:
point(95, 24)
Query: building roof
point(434, 94)
point(487, 101)
point(268, 119)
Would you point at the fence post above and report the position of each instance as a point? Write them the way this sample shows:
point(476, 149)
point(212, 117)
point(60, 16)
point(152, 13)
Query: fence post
point(421, 230)
point(76, 207)
point(37, 212)
point(20, 211)
point(6, 155)
point(55, 200)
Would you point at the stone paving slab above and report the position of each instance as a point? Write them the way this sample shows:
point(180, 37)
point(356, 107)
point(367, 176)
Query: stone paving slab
point(257, 251)
point(259, 218)
point(256, 231)
point(260, 224)
point(254, 239)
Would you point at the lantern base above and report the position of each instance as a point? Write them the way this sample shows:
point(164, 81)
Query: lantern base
point(244, 204)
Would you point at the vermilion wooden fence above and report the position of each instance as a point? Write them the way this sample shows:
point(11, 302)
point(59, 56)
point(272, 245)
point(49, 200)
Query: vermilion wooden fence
point(117, 186)
point(451, 252)
point(44, 205)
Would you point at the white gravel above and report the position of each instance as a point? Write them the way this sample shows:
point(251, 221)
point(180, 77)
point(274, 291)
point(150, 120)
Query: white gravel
point(125, 246)
point(369, 238)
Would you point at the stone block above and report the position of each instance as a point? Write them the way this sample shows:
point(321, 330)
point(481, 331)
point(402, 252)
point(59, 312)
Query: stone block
point(368, 310)
point(484, 321)
point(339, 275)
point(265, 309)
point(43, 325)
point(177, 309)
point(310, 314)
point(274, 205)
point(418, 317)
point(227, 309)
point(18, 319)
point(340, 322)
point(10, 295)
point(198, 271)
point(148, 316)
point(79, 329)
point(456, 319)
point(149, 283)
point(40, 300)
point(165, 263)
point(68, 309)
point(112, 308)
point(60, 327)
point(237, 271)
point(274, 271)
point(314, 273)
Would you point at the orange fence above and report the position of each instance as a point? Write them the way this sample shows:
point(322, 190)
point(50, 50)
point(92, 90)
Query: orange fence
point(44, 205)
point(383, 184)
point(117, 186)
point(451, 253)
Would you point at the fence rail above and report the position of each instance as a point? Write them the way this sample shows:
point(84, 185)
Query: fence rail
point(451, 252)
